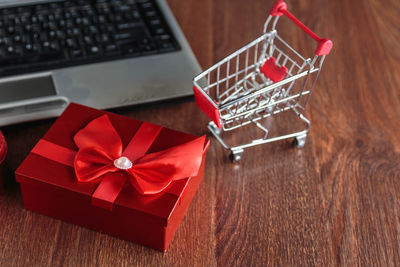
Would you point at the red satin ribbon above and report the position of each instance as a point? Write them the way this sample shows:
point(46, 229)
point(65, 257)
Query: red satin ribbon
point(99, 145)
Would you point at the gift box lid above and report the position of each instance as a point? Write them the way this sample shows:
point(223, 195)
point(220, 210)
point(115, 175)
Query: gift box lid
point(157, 207)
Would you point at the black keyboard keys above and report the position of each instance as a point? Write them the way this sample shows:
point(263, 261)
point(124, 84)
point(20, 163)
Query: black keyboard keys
point(60, 34)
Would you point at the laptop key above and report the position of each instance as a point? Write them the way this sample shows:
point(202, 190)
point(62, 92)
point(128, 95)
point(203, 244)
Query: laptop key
point(128, 26)
point(165, 45)
point(130, 49)
point(111, 48)
point(123, 36)
point(93, 50)
point(76, 53)
point(71, 43)
point(148, 46)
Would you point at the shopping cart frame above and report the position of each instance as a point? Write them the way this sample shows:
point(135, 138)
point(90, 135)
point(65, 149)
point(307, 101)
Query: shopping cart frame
point(240, 105)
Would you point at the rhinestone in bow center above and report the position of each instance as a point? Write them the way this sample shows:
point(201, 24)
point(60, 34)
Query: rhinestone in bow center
point(123, 163)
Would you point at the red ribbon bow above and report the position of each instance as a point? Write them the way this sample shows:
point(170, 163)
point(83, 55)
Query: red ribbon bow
point(101, 158)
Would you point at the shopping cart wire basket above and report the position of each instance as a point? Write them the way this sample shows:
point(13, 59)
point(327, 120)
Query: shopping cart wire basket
point(262, 79)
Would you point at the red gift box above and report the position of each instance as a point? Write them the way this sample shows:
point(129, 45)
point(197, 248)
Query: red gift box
point(62, 176)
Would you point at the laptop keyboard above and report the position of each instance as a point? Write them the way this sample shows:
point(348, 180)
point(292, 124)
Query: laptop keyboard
point(66, 33)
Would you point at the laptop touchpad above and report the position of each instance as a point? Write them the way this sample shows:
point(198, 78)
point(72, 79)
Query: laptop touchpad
point(26, 88)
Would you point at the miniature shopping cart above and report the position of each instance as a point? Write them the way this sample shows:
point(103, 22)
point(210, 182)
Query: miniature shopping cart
point(260, 80)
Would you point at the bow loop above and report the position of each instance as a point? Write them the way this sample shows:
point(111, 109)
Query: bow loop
point(100, 134)
point(91, 163)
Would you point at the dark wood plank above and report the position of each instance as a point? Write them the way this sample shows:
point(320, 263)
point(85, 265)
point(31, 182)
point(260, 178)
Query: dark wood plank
point(334, 202)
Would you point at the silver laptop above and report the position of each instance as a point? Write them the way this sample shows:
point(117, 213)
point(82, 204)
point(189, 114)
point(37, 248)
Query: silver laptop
point(100, 53)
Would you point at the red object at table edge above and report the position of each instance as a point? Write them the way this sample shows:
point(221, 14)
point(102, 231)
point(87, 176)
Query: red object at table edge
point(3, 153)
point(3, 148)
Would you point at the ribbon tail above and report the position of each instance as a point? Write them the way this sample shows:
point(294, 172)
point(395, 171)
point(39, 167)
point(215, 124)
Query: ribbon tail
point(108, 190)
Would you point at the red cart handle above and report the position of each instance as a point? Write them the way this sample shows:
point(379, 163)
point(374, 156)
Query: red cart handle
point(324, 45)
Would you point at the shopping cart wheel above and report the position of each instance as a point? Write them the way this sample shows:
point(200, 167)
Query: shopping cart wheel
point(300, 141)
point(235, 157)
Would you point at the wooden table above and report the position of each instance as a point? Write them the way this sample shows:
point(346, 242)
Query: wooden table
point(336, 201)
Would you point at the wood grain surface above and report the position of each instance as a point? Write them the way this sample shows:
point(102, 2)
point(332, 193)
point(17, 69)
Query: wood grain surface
point(334, 202)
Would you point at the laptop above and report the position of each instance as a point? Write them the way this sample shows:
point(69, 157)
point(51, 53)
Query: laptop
point(99, 53)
